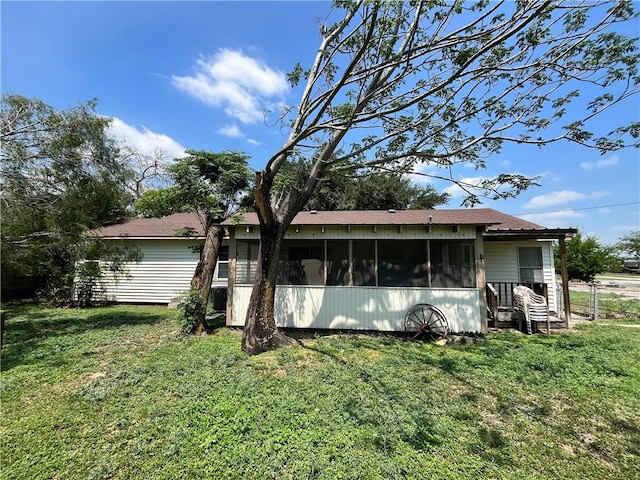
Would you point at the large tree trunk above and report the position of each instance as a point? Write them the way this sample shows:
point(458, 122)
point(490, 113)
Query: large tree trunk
point(260, 332)
point(207, 265)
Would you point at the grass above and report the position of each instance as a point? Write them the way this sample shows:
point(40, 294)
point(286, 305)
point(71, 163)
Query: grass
point(116, 393)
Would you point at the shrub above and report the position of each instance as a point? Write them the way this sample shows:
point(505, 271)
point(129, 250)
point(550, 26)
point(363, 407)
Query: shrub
point(192, 311)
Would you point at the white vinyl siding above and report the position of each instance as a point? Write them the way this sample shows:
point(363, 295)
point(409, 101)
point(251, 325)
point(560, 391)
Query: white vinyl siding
point(361, 308)
point(165, 272)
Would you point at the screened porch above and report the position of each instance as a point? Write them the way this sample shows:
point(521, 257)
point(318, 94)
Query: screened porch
point(364, 284)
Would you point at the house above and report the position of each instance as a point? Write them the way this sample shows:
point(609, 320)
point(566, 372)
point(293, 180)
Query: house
point(356, 270)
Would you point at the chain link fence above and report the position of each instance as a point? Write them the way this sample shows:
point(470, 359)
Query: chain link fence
point(595, 301)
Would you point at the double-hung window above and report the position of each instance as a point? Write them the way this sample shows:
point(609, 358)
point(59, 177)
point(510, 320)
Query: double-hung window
point(530, 264)
point(222, 268)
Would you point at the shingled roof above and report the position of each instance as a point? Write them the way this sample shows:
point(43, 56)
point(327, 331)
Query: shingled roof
point(169, 226)
point(470, 216)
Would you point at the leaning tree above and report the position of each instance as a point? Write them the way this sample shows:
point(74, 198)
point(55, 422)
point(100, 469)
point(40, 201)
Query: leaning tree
point(213, 186)
point(398, 84)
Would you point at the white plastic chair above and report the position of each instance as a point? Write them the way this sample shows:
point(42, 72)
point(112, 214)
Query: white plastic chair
point(533, 307)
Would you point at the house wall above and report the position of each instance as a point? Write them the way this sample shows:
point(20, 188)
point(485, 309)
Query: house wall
point(361, 308)
point(165, 272)
point(501, 264)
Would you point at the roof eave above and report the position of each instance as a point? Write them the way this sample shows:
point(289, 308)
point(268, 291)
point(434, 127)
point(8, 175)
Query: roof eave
point(156, 237)
point(531, 234)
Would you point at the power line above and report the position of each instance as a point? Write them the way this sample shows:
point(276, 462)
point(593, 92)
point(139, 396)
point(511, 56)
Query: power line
point(576, 209)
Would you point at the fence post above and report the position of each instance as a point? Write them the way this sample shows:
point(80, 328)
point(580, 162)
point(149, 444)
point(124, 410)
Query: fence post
point(593, 300)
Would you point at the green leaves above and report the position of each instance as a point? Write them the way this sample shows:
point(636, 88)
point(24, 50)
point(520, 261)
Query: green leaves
point(630, 244)
point(159, 203)
point(212, 183)
point(450, 82)
point(587, 257)
point(61, 175)
point(296, 75)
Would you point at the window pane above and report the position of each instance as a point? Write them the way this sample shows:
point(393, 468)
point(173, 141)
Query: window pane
point(532, 275)
point(452, 264)
point(364, 262)
point(247, 260)
point(222, 267)
point(301, 263)
point(338, 262)
point(530, 262)
point(402, 263)
point(530, 257)
point(223, 271)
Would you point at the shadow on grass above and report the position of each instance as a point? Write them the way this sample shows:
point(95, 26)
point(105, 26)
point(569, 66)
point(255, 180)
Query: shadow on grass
point(28, 330)
point(215, 322)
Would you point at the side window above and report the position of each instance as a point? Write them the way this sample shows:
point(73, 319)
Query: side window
point(222, 268)
point(530, 264)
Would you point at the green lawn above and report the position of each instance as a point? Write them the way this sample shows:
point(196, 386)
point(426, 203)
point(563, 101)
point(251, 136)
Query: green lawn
point(117, 393)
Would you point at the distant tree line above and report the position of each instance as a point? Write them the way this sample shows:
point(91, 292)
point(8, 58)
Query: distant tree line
point(588, 257)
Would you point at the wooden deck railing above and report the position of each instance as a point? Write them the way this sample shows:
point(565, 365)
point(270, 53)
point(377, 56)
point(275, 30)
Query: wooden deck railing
point(500, 294)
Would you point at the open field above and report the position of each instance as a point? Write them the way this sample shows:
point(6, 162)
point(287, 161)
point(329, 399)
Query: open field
point(116, 393)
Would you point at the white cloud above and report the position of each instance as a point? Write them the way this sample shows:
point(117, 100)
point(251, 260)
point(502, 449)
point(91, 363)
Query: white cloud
point(554, 177)
point(423, 173)
point(254, 142)
point(560, 219)
point(242, 85)
point(145, 141)
point(230, 131)
point(456, 190)
point(607, 162)
point(630, 227)
point(560, 198)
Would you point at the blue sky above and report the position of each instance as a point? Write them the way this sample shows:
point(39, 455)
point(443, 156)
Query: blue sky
point(199, 75)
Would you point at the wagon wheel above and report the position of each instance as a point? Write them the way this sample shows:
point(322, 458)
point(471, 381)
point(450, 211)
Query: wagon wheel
point(424, 320)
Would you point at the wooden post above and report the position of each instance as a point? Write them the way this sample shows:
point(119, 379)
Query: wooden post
point(565, 282)
point(481, 279)
point(231, 278)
